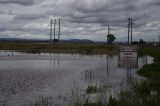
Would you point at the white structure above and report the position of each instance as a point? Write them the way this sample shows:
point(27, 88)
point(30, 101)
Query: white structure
point(128, 57)
point(128, 52)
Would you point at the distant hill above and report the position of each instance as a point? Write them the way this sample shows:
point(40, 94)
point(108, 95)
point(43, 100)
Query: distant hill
point(40, 40)
point(77, 41)
point(21, 40)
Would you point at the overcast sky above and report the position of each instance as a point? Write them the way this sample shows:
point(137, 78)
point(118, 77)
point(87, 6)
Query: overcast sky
point(81, 19)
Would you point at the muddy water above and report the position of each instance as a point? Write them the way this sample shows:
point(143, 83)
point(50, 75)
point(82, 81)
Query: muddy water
point(26, 79)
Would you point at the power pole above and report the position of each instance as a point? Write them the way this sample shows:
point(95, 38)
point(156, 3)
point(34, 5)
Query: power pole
point(59, 29)
point(159, 39)
point(108, 29)
point(129, 29)
point(108, 32)
point(51, 32)
point(54, 29)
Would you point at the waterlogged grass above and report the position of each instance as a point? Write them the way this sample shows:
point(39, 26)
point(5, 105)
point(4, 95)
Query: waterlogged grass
point(44, 101)
point(96, 89)
point(147, 93)
point(140, 95)
point(99, 90)
point(87, 103)
point(91, 89)
point(60, 48)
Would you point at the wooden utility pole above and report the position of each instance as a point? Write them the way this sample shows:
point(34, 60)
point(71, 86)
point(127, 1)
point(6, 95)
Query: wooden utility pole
point(59, 29)
point(51, 31)
point(129, 29)
point(108, 33)
point(130, 34)
point(54, 29)
point(108, 29)
point(159, 39)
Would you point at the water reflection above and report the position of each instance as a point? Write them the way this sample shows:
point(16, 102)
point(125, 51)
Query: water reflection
point(63, 77)
point(88, 75)
point(125, 62)
point(55, 62)
point(118, 74)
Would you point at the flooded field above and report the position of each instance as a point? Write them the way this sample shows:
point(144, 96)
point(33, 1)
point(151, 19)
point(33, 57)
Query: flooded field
point(62, 79)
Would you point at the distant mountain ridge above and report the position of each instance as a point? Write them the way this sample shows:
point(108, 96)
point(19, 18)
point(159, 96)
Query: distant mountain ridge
point(78, 41)
point(45, 40)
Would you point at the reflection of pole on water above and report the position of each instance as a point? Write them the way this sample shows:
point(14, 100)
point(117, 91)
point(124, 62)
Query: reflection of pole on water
point(11, 53)
point(107, 65)
point(50, 63)
point(58, 62)
point(89, 75)
point(128, 72)
point(129, 75)
point(54, 62)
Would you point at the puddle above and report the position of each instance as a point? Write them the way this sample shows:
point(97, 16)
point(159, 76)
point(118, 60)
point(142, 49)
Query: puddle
point(26, 79)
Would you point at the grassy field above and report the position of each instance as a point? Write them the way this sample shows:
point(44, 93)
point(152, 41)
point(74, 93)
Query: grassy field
point(60, 48)
point(147, 93)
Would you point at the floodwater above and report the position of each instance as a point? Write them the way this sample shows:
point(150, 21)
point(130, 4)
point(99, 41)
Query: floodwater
point(26, 79)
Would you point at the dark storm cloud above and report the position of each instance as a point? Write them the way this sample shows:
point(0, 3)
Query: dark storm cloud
point(154, 2)
point(114, 12)
point(103, 5)
point(28, 17)
point(104, 12)
point(21, 2)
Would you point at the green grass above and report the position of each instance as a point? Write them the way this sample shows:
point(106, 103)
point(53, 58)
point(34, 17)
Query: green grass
point(150, 50)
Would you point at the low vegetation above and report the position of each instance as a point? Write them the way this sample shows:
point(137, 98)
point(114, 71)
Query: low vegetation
point(96, 89)
point(87, 103)
point(60, 48)
point(150, 50)
point(43, 101)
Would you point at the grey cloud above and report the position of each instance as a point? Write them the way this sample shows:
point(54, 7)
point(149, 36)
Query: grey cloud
point(81, 15)
point(103, 5)
point(155, 3)
point(103, 11)
point(115, 13)
point(21, 2)
point(3, 28)
point(28, 17)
